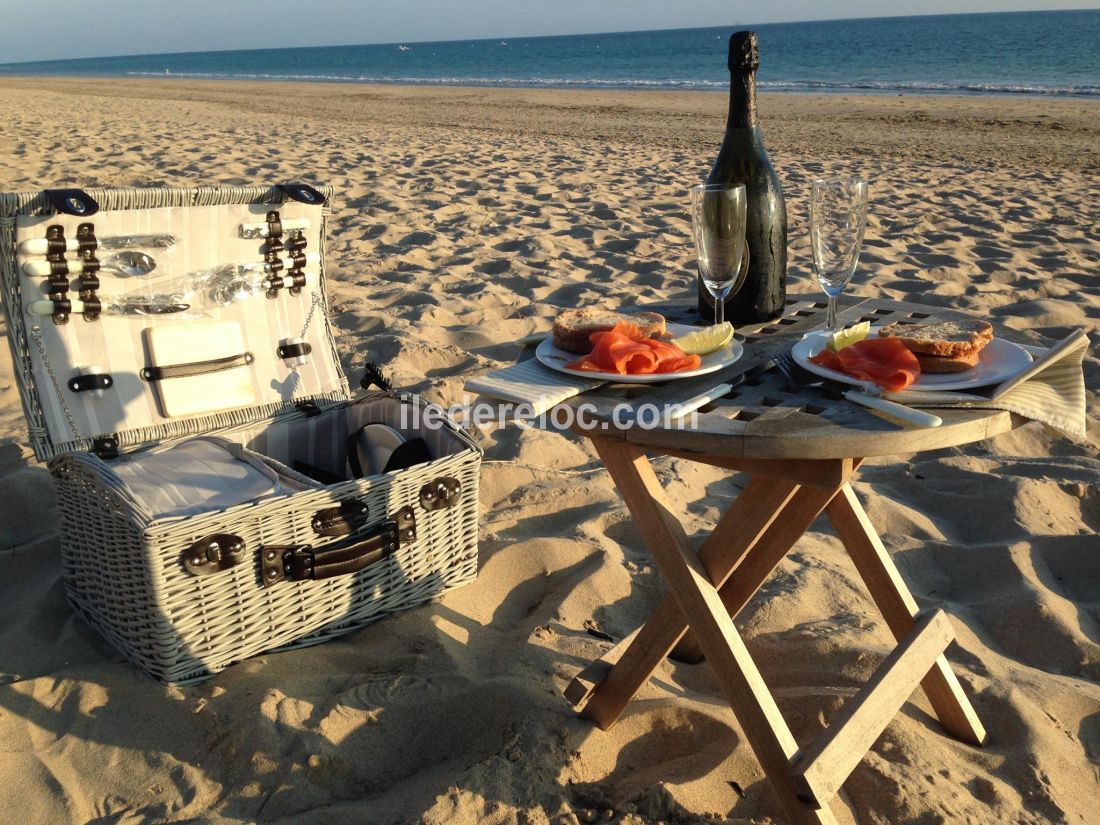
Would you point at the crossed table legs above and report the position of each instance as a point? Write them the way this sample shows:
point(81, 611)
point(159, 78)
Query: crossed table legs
point(708, 588)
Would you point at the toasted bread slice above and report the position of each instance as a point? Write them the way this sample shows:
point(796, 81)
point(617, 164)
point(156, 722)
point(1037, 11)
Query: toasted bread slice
point(573, 326)
point(935, 364)
point(950, 339)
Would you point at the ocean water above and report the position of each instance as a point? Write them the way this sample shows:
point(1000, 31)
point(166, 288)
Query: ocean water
point(1031, 53)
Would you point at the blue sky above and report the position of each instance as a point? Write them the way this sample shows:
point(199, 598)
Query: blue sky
point(90, 28)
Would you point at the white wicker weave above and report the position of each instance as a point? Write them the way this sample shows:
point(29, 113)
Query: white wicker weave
point(123, 569)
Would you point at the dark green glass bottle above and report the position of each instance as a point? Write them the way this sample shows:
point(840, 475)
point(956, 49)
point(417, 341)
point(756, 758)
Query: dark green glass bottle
point(743, 159)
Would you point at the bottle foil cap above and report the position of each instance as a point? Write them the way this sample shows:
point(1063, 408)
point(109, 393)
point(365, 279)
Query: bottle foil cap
point(744, 52)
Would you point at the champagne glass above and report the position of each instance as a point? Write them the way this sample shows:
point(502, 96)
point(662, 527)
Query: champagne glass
point(838, 216)
point(718, 226)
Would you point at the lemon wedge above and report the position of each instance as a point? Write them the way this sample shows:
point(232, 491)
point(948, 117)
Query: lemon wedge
point(846, 337)
point(705, 340)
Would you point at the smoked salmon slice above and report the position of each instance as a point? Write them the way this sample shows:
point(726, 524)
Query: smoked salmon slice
point(883, 361)
point(625, 350)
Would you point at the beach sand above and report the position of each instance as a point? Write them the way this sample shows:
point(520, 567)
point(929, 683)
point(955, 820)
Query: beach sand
point(465, 218)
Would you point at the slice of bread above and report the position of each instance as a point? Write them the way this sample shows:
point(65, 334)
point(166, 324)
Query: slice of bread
point(573, 326)
point(935, 364)
point(950, 339)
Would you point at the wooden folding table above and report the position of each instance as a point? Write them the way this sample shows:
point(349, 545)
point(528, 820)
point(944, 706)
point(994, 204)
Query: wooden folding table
point(801, 449)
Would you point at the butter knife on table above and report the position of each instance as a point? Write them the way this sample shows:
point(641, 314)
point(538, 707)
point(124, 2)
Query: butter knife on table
point(875, 401)
point(679, 409)
point(870, 396)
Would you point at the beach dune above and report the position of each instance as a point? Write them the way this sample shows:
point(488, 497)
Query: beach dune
point(465, 219)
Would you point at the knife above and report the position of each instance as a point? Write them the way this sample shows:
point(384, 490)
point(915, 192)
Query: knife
point(892, 408)
point(682, 408)
point(43, 309)
point(870, 395)
point(39, 246)
point(679, 409)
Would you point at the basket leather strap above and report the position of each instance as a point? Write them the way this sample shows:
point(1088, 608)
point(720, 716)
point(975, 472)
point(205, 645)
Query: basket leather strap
point(197, 367)
point(303, 562)
point(341, 561)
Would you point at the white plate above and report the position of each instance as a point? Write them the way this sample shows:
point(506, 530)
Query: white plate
point(556, 359)
point(999, 361)
point(375, 444)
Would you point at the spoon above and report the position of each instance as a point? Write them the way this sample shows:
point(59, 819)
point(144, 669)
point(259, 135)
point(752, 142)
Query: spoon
point(132, 263)
point(127, 264)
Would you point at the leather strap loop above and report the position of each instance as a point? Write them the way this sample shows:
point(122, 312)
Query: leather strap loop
point(89, 278)
point(55, 242)
point(294, 350)
point(274, 226)
point(56, 247)
point(86, 239)
point(86, 383)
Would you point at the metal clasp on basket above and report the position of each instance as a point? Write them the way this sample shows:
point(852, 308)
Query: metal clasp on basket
point(345, 518)
point(213, 554)
point(440, 493)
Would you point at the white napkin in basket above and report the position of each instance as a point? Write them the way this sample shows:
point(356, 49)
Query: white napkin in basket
point(197, 475)
point(1050, 390)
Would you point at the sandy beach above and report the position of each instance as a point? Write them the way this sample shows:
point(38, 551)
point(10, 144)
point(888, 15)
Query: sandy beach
point(465, 218)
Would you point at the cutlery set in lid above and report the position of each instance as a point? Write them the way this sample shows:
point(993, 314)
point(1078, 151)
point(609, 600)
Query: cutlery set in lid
point(127, 308)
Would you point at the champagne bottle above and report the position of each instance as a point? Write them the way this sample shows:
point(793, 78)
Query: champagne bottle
point(743, 159)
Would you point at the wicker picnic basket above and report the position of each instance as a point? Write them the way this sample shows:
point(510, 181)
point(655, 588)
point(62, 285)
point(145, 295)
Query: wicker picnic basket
point(175, 570)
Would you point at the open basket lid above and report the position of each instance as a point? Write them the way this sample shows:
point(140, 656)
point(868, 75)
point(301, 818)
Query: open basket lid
point(229, 326)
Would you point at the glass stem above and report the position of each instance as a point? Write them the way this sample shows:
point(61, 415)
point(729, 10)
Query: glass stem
point(719, 311)
point(830, 317)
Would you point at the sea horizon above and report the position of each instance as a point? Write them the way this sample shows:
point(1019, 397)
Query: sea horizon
point(982, 54)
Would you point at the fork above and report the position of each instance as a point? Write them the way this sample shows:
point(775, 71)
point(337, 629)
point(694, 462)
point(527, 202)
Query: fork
point(868, 395)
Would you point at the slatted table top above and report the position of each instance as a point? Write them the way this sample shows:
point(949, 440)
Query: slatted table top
point(764, 418)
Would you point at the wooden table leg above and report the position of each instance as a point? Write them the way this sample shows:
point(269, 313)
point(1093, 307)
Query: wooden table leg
point(751, 538)
point(608, 690)
point(698, 599)
point(795, 520)
point(899, 609)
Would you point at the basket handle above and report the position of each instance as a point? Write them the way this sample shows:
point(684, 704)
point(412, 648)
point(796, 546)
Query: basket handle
point(304, 562)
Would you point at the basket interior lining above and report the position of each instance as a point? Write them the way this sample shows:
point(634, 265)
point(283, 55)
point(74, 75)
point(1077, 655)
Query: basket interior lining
point(322, 440)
